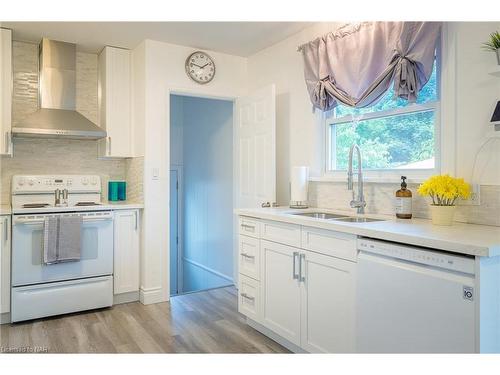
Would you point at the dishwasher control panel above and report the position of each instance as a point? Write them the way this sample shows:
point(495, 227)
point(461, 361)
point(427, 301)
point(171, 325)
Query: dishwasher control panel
point(459, 263)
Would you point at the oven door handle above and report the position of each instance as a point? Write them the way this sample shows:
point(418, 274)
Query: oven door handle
point(42, 221)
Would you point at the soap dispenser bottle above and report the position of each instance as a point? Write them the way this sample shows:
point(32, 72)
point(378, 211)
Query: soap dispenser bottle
point(403, 201)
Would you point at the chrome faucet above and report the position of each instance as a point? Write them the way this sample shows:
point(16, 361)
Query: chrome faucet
point(358, 203)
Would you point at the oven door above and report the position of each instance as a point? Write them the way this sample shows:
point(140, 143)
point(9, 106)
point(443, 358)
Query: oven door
point(27, 249)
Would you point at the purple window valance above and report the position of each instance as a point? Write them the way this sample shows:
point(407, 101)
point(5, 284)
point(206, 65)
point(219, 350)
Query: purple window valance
point(356, 64)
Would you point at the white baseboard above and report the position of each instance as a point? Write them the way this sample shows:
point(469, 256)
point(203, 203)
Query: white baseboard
point(273, 336)
point(5, 318)
point(125, 297)
point(151, 295)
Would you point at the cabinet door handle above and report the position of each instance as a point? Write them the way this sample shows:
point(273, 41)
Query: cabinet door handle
point(136, 214)
point(244, 295)
point(302, 277)
point(294, 272)
point(109, 145)
point(246, 255)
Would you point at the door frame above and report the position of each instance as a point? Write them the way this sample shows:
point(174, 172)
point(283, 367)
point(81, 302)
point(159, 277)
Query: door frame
point(180, 249)
point(201, 93)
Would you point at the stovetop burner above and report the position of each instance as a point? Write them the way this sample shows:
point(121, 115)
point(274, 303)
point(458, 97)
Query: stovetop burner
point(87, 204)
point(35, 205)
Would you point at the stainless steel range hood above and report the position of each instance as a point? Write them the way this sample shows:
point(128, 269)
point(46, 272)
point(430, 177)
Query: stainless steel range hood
point(57, 116)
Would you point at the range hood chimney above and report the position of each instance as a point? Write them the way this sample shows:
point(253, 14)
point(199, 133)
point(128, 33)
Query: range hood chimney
point(57, 116)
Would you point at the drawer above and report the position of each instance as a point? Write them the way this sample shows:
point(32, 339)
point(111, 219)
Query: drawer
point(328, 242)
point(249, 226)
point(249, 256)
point(38, 301)
point(249, 303)
point(285, 233)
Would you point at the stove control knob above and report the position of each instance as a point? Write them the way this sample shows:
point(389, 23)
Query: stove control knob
point(85, 181)
point(21, 182)
point(31, 182)
point(94, 181)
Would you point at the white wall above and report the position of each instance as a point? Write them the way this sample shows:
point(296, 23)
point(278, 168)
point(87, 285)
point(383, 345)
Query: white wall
point(164, 73)
point(300, 135)
point(477, 94)
point(206, 137)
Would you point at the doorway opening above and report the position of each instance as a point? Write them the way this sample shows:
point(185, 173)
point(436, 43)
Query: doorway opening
point(201, 193)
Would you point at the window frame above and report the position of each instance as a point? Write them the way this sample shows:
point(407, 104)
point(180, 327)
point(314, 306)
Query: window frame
point(389, 175)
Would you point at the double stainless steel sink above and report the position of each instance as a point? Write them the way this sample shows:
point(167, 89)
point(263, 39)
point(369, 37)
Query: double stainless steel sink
point(337, 217)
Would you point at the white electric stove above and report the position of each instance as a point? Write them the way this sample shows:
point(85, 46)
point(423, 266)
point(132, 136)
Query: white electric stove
point(39, 289)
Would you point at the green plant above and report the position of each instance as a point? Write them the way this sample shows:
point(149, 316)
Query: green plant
point(494, 43)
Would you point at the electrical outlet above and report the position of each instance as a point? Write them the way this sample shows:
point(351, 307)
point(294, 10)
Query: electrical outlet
point(475, 197)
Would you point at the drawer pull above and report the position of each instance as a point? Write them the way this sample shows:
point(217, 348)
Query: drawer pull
point(244, 295)
point(248, 256)
point(247, 226)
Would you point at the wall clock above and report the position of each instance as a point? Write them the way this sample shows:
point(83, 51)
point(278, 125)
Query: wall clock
point(200, 67)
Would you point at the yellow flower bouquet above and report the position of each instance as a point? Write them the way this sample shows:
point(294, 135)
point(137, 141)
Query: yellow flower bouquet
point(444, 191)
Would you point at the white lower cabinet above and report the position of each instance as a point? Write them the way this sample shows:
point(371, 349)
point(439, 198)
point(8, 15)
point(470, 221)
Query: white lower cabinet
point(280, 290)
point(5, 264)
point(327, 302)
point(306, 297)
point(126, 251)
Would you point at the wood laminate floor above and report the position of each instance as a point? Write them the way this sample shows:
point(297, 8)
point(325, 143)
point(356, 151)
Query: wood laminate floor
point(204, 322)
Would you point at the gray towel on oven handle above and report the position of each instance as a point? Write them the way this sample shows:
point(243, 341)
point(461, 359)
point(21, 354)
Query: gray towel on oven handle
point(50, 239)
point(70, 233)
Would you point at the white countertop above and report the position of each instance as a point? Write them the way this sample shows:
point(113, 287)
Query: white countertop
point(104, 206)
point(472, 239)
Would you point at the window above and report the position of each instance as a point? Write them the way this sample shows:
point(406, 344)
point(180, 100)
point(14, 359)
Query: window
point(393, 134)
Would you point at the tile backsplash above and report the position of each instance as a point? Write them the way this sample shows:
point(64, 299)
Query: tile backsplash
point(61, 156)
point(380, 199)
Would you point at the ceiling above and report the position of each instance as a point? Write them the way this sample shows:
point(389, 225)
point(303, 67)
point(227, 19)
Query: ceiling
point(235, 38)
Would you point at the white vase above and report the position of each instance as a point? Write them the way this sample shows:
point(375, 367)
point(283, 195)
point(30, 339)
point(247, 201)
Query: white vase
point(498, 55)
point(442, 215)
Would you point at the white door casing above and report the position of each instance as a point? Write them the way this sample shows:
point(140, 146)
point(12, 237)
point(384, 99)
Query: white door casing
point(255, 148)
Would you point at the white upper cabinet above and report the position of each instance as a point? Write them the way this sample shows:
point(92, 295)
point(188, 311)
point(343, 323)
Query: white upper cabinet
point(5, 91)
point(114, 98)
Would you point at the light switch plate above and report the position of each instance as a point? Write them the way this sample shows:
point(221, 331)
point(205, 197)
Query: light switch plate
point(155, 173)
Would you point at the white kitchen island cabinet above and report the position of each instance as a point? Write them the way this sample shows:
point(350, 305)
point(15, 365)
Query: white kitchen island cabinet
point(382, 286)
point(280, 290)
point(306, 297)
point(327, 304)
point(126, 254)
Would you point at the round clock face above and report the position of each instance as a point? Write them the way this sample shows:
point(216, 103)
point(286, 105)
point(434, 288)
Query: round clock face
point(200, 67)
